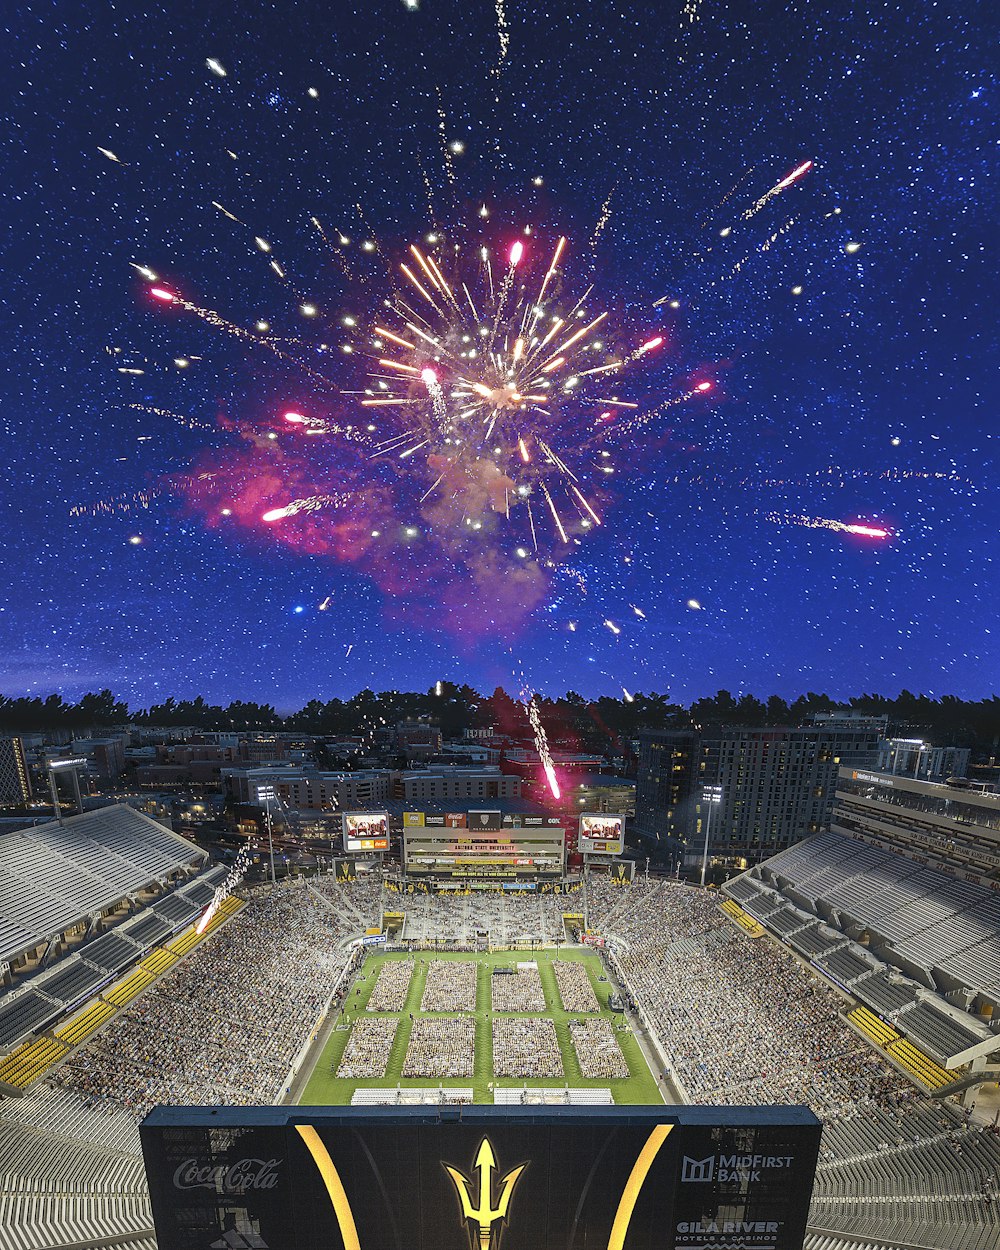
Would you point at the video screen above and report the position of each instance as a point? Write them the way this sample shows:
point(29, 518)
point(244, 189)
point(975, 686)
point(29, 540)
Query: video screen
point(601, 834)
point(366, 831)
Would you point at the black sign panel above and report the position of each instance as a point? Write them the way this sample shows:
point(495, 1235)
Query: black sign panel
point(649, 1178)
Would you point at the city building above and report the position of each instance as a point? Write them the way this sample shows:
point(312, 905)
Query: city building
point(453, 784)
point(105, 756)
point(912, 757)
point(417, 739)
point(302, 789)
point(15, 781)
point(772, 787)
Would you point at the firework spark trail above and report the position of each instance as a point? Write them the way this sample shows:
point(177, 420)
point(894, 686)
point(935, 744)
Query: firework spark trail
point(119, 505)
point(310, 503)
point(860, 529)
point(603, 218)
point(799, 172)
point(542, 747)
point(503, 35)
point(605, 424)
point(773, 238)
point(335, 251)
point(449, 164)
point(233, 878)
point(218, 322)
point(189, 423)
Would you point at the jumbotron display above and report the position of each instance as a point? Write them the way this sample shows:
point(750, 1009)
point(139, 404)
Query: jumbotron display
point(366, 831)
point(601, 834)
point(650, 1178)
point(478, 848)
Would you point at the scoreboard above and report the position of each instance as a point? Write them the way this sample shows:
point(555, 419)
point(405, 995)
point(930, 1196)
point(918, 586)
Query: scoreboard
point(477, 848)
point(531, 1178)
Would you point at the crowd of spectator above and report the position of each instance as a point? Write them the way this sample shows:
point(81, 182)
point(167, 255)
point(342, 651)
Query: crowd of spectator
point(450, 985)
point(441, 1047)
point(597, 1050)
point(742, 1021)
point(226, 1024)
point(525, 1047)
point(575, 989)
point(518, 989)
point(392, 986)
point(367, 1051)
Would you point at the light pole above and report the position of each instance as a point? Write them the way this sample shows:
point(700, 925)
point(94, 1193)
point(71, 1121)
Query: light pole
point(710, 795)
point(267, 794)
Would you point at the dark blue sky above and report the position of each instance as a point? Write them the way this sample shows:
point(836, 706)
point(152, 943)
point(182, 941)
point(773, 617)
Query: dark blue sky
point(870, 394)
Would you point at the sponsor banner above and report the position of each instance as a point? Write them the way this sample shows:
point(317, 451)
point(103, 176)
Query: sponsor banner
point(485, 822)
point(374, 939)
point(636, 1178)
point(366, 831)
point(455, 820)
point(434, 820)
point(601, 834)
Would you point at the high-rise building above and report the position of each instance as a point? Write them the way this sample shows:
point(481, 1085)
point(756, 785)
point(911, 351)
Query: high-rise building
point(15, 781)
point(772, 787)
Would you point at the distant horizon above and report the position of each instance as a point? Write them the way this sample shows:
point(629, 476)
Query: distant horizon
point(287, 710)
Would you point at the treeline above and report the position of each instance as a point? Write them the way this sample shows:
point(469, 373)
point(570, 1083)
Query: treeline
point(604, 724)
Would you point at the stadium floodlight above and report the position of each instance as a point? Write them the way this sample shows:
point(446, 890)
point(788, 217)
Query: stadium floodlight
point(710, 795)
point(267, 795)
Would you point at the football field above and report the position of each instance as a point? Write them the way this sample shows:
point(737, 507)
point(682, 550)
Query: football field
point(475, 1003)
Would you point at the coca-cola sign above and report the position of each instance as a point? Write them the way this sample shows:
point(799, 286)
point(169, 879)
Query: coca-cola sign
point(232, 1178)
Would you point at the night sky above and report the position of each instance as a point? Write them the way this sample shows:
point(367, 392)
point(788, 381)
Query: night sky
point(847, 328)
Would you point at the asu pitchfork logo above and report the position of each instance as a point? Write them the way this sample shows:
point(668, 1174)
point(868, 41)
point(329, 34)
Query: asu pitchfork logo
point(480, 1207)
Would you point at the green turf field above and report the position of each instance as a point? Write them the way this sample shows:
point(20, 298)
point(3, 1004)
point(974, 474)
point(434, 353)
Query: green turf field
point(324, 1089)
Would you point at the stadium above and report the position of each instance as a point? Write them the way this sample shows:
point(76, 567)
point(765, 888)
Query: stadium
point(855, 973)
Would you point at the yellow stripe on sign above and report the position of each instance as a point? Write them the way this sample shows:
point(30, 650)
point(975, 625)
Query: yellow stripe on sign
point(333, 1183)
point(635, 1182)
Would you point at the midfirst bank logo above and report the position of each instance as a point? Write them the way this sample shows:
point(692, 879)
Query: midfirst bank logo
point(729, 1168)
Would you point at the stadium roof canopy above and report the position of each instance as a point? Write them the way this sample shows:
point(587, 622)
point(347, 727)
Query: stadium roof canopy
point(59, 875)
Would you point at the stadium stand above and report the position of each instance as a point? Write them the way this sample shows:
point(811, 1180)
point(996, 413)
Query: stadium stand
point(737, 1020)
point(59, 876)
point(924, 921)
point(911, 917)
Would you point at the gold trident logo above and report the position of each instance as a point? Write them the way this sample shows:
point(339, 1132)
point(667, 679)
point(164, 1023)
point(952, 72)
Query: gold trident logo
point(485, 1214)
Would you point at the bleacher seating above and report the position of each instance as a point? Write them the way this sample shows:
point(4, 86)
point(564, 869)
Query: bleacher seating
point(845, 965)
point(72, 1175)
point(888, 995)
point(111, 951)
point(147, 929)
point(940, 1034)
point(925, 919)
point(54, 876)
point(911, 1176)
point(24, 1013)
point(73, 980)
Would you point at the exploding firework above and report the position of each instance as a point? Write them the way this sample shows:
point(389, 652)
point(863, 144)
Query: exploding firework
point(468, 455)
